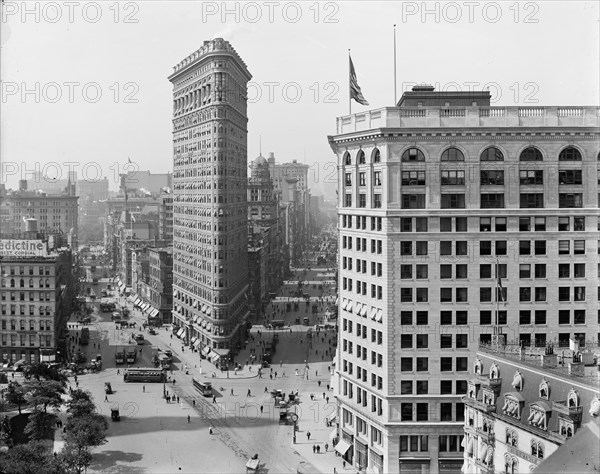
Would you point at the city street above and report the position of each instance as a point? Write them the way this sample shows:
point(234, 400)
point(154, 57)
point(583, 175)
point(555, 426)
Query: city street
point(240, 430)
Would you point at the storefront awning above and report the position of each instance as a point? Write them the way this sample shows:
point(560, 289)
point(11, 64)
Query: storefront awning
point(331, 416)
point(342, 447)
point(204, 308)
point(206, 350)
point(194, 339)
point(196, 343)
point(195, 318)
point(208, 310)
point(180, 332)
point(154, 313)
point(333, 435)
point(136, 301)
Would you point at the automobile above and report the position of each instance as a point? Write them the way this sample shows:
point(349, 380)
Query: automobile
point(116, 316)
point(152, 331)
point(104, 293)
point(108, 388)
point(114, 414)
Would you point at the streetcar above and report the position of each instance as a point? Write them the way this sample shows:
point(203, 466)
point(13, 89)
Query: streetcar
point(148, 375)
point(205, 388)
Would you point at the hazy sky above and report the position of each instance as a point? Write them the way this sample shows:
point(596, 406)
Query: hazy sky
point(86, 82)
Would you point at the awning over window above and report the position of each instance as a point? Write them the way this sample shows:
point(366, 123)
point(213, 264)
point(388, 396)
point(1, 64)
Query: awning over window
point(342, 447)
point(196, 343)
point(344, 303)
point(193, 340)
point(154, 313)
point(181, 332)
point(333, 435)
point(373, 313)
point(204, 308)
point(204, 323)
point(206, 350)
point(470, 447)
point(137, 301)
point(349, 307)
point(208, 310)
point(379, 316)
point(364, 310)
point(490, 455)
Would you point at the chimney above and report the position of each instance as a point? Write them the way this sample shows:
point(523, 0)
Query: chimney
point(271, 159)
point(22, 185)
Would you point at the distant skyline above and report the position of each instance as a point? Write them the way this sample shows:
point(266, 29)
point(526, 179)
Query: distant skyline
point(115, 69)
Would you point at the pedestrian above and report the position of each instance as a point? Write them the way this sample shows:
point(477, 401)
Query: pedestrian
point(344, 464)
point(318, 449)
point(188, 418)
point(248, 394)
point(314, 448)
point(177, 398)
point(143, 389)
point(316, 373)
point(323, 395)
point(319, 382)
point(308, 435)
point(173, 381)
point(326, 447)
point(106, 398)
point(232, 392)
point(327, 387)
point(266, 390)
point(327, 399)
point(118, 372)
point(261, 409)
point(214, 399)
point(281, 363)
point(193, 402)
point(271, 376)
point(275, 374)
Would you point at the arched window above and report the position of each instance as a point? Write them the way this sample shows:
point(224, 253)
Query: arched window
point(492, 154)
point(569, 154)
point(360, 157)
point(347, 159)
point(531, 154)
point(12, 283)
point(494, 372)
point(518, 381)
point(544, 390)
point(413, 154)
point(31, 283)
point(478, 366)
point(453, 154)
point(573, 398)
point(540, 451)
point(534, 448)
point(376, 156)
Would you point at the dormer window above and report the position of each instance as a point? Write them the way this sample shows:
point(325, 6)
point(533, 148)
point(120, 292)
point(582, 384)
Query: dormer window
point(566, 427)
point(478, 367)
point(544, 390)
point(517, 382)
point(494, 372)
point(489, 397)
point(513, 404)
point(573, 399)
point(472, 390)
point(538, 415)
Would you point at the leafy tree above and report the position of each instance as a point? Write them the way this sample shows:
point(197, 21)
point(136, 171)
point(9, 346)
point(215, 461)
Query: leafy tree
point(42, 371)
point(16, 394)
point(6, 431)
point(40, 425)
point(30, 458)
point(81, 404)
point(44, 393)
point(82, 434)
point(75, 460)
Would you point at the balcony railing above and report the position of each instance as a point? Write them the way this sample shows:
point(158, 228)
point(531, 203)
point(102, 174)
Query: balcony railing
point(471, 117)
point(563, 408)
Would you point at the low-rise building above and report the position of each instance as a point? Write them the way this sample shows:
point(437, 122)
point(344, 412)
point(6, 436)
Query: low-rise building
point(523, 404)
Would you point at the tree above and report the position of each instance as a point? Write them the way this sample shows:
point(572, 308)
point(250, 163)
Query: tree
point(30, 458)
point(16, 394)
point(44, 393)
point(6, 431)
point(81, 404)
point(83, 433)
point(40, 425)
point(42, 371)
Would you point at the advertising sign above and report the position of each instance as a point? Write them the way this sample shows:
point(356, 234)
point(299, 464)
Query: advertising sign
point(22, 248)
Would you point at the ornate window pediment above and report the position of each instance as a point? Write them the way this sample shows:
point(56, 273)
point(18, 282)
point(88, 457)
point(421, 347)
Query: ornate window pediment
point(538, 415)
point(478, 367)
point(573, 399)
point(489, 397)
point(544, 390)
point(513, 404)
point(494, 371)
point(511, 437)
point(517, 382)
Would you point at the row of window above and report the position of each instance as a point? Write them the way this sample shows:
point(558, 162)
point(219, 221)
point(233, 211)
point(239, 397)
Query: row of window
point(31, 296)
point(531, 153)
point(21, 270)
point(460, 247)
point(421, 412)
point(497, 224)
point(362, 397)
point(21, 310)
point(33, 340)
point(12, 283)
point(460, 271)
point(361, 222)
point(361, 288)
point(487, 201)
point(44, 324)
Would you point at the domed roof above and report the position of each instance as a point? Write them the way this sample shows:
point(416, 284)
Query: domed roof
point(260, 161)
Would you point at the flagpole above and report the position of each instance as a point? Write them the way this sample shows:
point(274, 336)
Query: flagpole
point(395, 82)
point(349, 86)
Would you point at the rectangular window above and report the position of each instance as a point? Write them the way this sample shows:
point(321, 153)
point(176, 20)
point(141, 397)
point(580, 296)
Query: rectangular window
point(406, 364)
point(460, 224)
point(525, 270)
point(485, 271)
point(453, 201)
point(500, 224)
point(485, 247)
point(422, 341)
point(422, 318)
point(492, 177)
point(579, 247)
point(406, 412)
point(422, 387)
point(564, 316)
point(421, 224)
point(445, 271)
point(540, 247)
point(485, 224)
point(579, 316)
point(446, 295)
point(564, 224)
point(540, 316)
point(362, 200)
point(446, 411)
point(413, 178)
point(492, 201)
point(422, 272)
point(524, 317)
point(413, 201)
point(579, 223)
point(570, 200)
point(579, 270)
point(529, 177)
point(422, 411)
point(446, 364)
point(453, 177)
point(422, 364)
point(461, 341)
point(406, 387)
point(570, 177)
point(531, 200)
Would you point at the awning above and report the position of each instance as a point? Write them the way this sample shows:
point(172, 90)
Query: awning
point(470, 447)
point(136, 301)
point(364, 310)
point(209, 327)
point(204, 323)
point(515, 395)
point(333, 435)
point(543, 405)
point(204, 308)
point(208, 310)
point(373, 313)
point(181, 332)
point(331, 416)
point(483, 451)
point(490, 455)
point(206, 350)
point(154, 313)
point(379, 316)
point(350, 306)
point(196, 343)
point(221, 352)
point(344, 303)
point(342, 447)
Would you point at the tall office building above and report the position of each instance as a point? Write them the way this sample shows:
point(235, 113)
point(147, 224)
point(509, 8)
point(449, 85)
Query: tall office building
point(441, 199)
point(210, 209)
